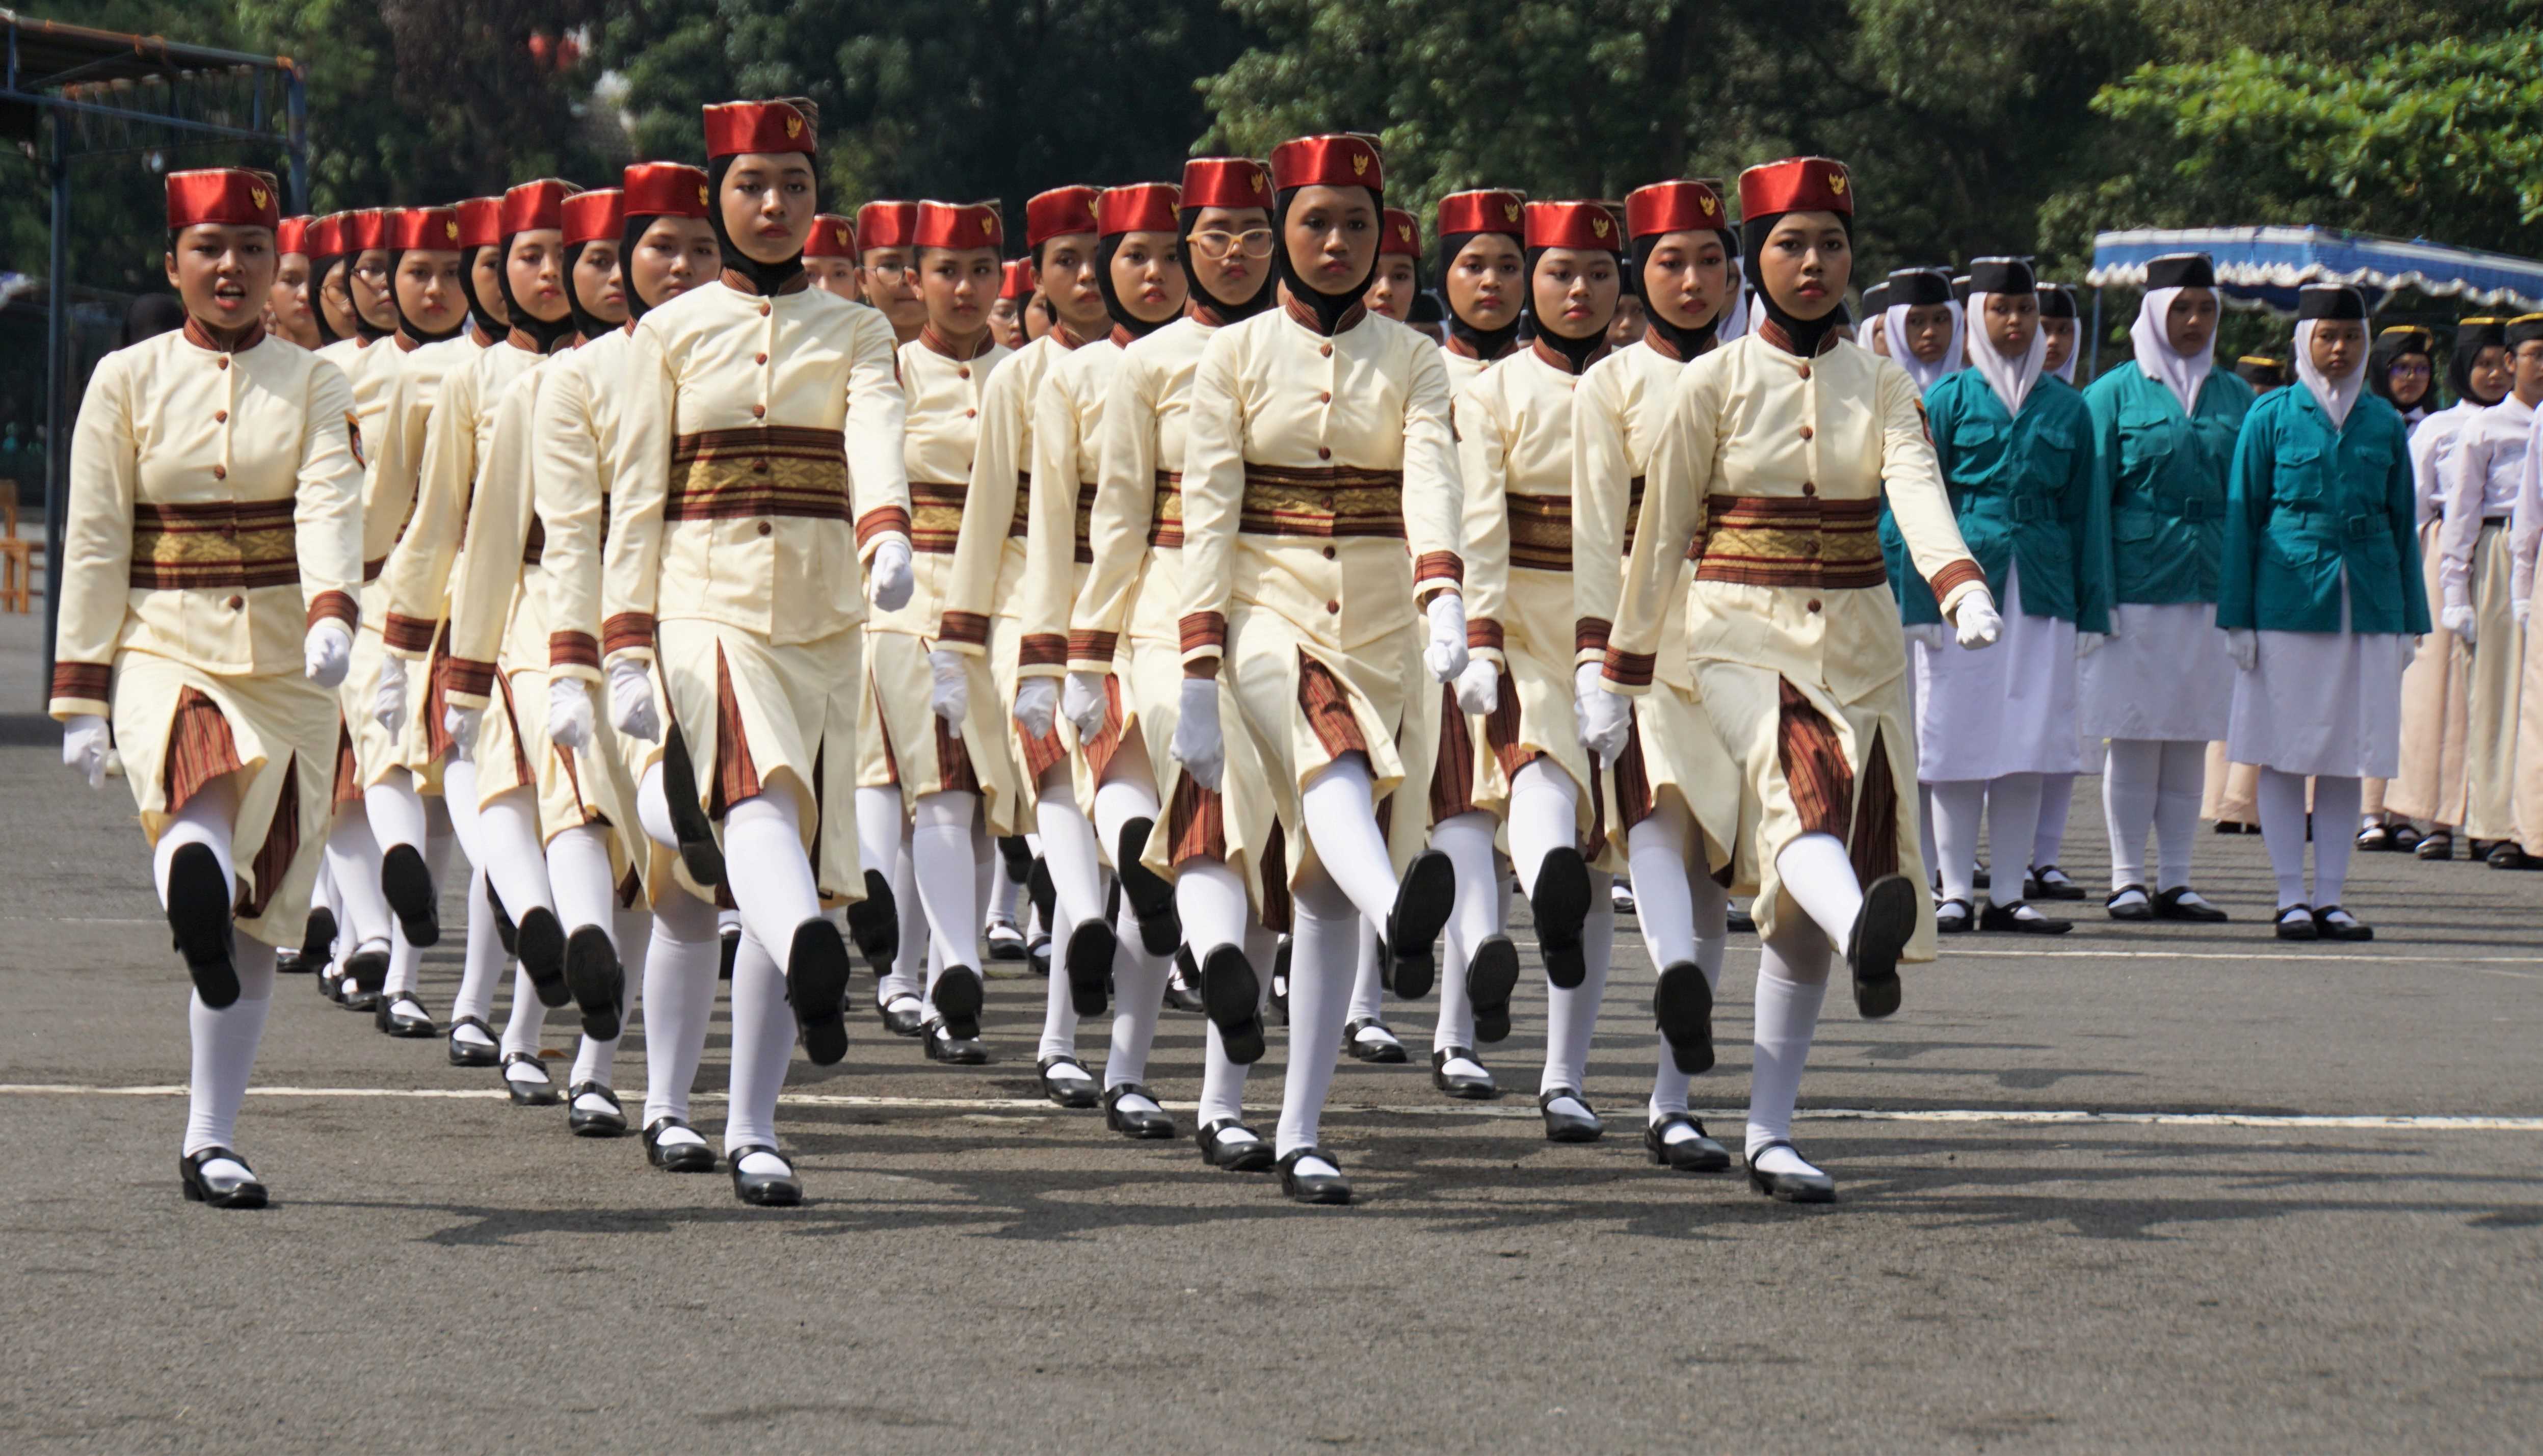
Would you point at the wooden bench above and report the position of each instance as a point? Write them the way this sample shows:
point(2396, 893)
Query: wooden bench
point(18, 556)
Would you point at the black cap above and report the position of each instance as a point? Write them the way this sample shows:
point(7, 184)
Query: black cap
point(2330, 302)
point(2001, 276)
point(1961, 289)
point(1876, 299)
point(2408, 338)
point(2056, 301)
point(2181, 270)
point(1918, 287)
point(2483, 332)
point(2525, 329)
point(2262, 369)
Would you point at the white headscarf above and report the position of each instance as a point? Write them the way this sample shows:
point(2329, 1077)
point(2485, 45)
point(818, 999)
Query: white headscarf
point(2335, 396)
point(1734, 320)
point(1926, 375)
point(2178, 372)
point(2011, 379)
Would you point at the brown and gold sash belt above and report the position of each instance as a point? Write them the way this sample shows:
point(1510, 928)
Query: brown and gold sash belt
point(213, 545)
point(725, 474)
point(1790, 541)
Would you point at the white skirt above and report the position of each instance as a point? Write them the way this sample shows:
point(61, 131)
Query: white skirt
point(2164, 675)
point(2008, 708)
point(2325, 703)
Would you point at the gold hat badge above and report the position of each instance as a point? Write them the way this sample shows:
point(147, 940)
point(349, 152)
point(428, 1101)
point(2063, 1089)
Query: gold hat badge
point(793, 127)
point(1836, 183)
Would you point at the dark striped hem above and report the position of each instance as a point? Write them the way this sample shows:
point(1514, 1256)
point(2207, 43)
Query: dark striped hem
point(1204, 632)
point(572, 649)
point(1042, 649)
point(1484, 631)
point(626, 632)
point(971, 629)
point(339, 606)
point(407, 633)
point(1590, 634)
point(1630, 669)
point(82, 681)
point(1093, 646)
point(879, 522)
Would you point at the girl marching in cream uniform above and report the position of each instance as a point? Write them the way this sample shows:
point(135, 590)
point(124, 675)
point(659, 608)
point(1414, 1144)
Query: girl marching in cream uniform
point(1134, 587)
point(1144, 289)
point(209, 561)
point(1770, 469)
point(2320, 597)
point(665, 249)
point(759, 469)
point(1481, 278)
point(1677, 791)
point(955, 771)
point(1320, 498)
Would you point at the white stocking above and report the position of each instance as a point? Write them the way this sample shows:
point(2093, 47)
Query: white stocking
point(763, 1043)
point(354, 869)
point(1138, 995)
point(2013, 822)
point(1467, 841)
point(1210, 899)
point(579, 871)
point(395, 810)
point(458, 807)
point(2128, 788)
point(947, 876)
point(484, 959)
point(524, 1029)
point(2176, 811)
point(1323, 951)
point(1959, 812)
point(1792, 982)
point(909, 975)
point(2056, 798)
point(1077, 884)
point(1368, 986)
point(1572, 1016)
point(225, 1049)
point(765, 866)
point(654, 809)
point(1339, 811)
point(881, 821)
point(1544, 805)
point(679, 1001)
point(1664, 902)
point(209, 819)
point(507, 835)
point(2335, 804)
point(1128, 792)
point(1222, 1082)
point(1818, 877)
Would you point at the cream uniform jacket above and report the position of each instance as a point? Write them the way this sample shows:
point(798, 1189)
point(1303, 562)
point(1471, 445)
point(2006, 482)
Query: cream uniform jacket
point(456, 434)
point(574, 469)
point(500, 580)
point(948, 399)
point(1465, 368)
point(2477, 485)
point(1067, 463)
point(1135, 529)
point(393, 447)
point(989, 559)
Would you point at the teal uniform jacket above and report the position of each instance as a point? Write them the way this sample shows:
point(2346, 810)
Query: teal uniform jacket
point(2024, 489)
point(2164, 476)
point(2309, 501)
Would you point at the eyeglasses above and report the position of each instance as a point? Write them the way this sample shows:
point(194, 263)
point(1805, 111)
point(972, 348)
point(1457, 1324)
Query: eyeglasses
point(893, 272)
point(2415, 368)
point(1215, 244)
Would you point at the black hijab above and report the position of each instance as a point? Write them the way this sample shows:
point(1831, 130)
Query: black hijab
point(2390, 349)
point(1328, 307)
point(1578, 352)
point(1225, 311)
point(1488, 343)
point(1686, 342)
point(587, 322)
point(1806, 334)
point(768, 277)
point(319, 268)
point(1122, 318)
point(488, 326)
point(2469, 343)
point(406, 326)
point(544, 334)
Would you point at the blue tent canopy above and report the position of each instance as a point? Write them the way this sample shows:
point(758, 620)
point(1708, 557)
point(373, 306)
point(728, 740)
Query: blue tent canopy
point(2263, 266)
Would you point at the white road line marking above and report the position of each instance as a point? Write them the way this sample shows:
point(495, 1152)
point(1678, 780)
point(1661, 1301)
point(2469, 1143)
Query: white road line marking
point(2021, 1117)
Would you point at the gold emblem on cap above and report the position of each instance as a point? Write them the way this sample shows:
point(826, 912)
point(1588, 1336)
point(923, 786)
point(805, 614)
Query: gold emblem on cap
point(1258, 180)
point(1403, 230)
point(988, 224)
point(1706, 201)
point(256, 195)
point(1511, 210)
point(1836, 183)
point(702, 195)
point(1359, 164)
point(1598, 226)
point(793, 127)
point(842, 231)
point(450, 228)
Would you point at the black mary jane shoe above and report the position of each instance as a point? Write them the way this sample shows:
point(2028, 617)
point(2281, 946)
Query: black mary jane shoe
point(1183, 984)
point(1038, 953)
point(1739, 922)
point(959, 996)
point(1312, 1188)
point(873, 924)
point(1075, 1093)
point(219, 1190)
point(1682, 1008)
point(1492, 978)
point(365, 971)
point(356, 1000)
point(596, 980)
point(405, 881)
point(943, 1046)
point(198, 919)
point(1389, 1052)
point(1559, 906)
point(1984, 878)
point(331, 982)
point(1151, 895)
point(903, 1015)
point(526, 1094)
point(816, 988)
point(402, 1015)
point(1422, 903)
point(1697, 1154)
point(2050, 883)
point(1568, 1126)
point(590, 1122)
point(1252, 1155)
point(764, 1189)
point(2139, 909)
point(2507, 854)
point(2295, 923)
point(2405, 839)
point(1463, 1086)
point(2353, 929)
point(2175, 904)
point(1144, 1124)
point(2438, 846)
point(1953, 916)
point(540, 939)
point(2375, 839)
point(1789, 1187)
point(678, 1157)
point(1881, 931)
point(1233, 999)
point(1088, 963)
point(2008, 918)
point(318, 938)
point(485, 1053)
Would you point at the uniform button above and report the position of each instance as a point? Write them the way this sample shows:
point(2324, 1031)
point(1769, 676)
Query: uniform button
point(220, 472)
point(1323, 452)
point(1806, 371)
point(962, 373)
point(1325, 397)
point(225, 362)
point(1806, 431)
point(760, 358)
point(1326, 349)
point(969, 414)
point(759, 467)
point(763, 310)
point(1809, 488)
point(765, 528)
point(221, 417)
point(237, 602)
point(1333, 607)
point(1329, 552)
point(759, 411)
point(1814, 601)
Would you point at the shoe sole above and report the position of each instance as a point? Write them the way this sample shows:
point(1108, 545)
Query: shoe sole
point(1422, 905)
point(1560, 905)
point(1088, 962)
point(1231, 997)
point(1683, 1005)
point(597, 982)
point(541, 938)
point(816, 987)
point(699, 855)
point(317, 936)
point(959, 1000)
point(1151, 897)
point(198, 916)
point(464, 1055)
point(504, 929)
point(1492, 978)
point(873, 924)
point(367, 971)
point(405, 881)
point(1881, 931)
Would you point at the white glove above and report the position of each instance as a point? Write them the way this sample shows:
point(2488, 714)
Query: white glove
point(461, 723)
point(1928, 633)
point(388, 700)
point(2522, 610)
point(2242, 645)
point(1037, 704)
point(630, 701)
point(1199, 747)
point(1606, 721)
point(890, 573)
point(327, 652)
point(1084, 703)
point(569, 713)
point(1977, 620)
point(1446, 655)
point(2459, 621)
point(2089, 642)
point(1479, 685)
point(84, 747)
point(950, 692)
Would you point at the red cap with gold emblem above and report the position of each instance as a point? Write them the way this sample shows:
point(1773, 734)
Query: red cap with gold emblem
point(1226, 182)
point(1483, 210)
point(366, 228)
point(1140, 207)
point(737, 127)
point(481, 222)
point(1019, 282)
point(291, 236)
point(833, 236)
point(887, 224)
point(231, 196)
point(326, 235)
point(1572, 225)
point(959, 225)
point(1678, 206)
point(532, 207)
point(1403, 234)
point(664, 190)
point(596, 216)
point(1344, 159)
point(1058, 212)
point(1796, 185)
point(430, 229)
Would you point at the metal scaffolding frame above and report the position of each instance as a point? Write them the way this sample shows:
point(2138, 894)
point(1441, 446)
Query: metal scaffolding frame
point(94, 92)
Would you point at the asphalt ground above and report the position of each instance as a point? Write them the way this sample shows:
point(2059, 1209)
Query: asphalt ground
point(2131, 1189)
